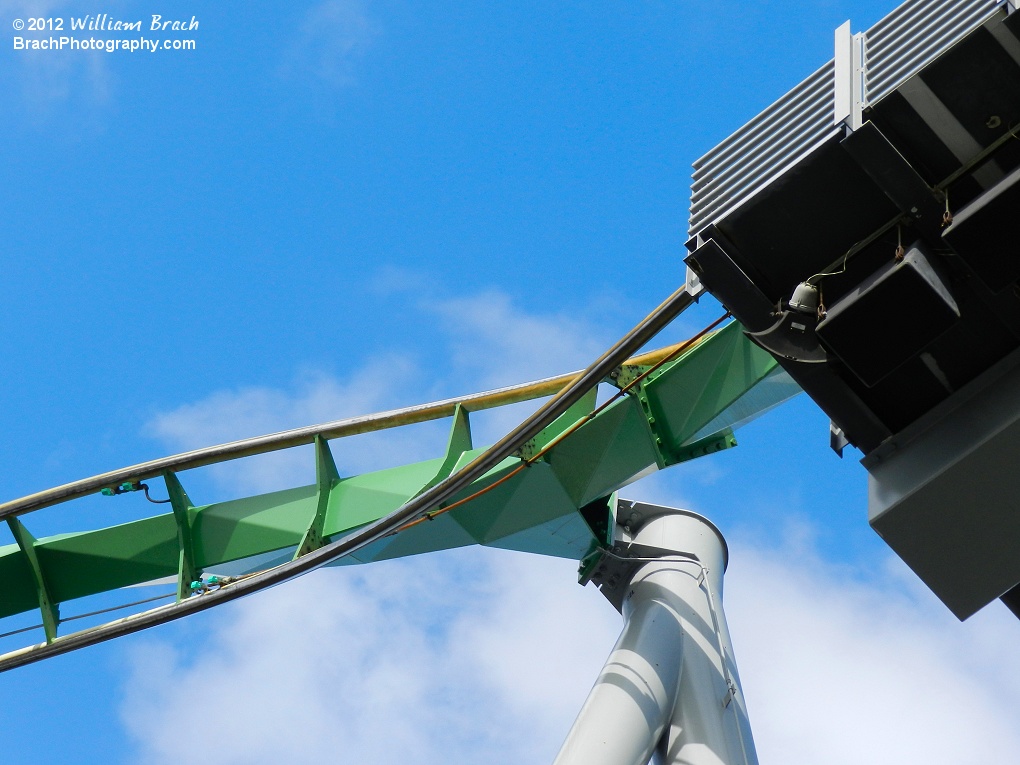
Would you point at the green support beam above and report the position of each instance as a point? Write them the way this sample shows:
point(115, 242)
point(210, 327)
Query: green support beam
point(557, 506)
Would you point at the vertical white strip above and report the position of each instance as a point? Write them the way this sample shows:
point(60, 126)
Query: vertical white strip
point(843, 91)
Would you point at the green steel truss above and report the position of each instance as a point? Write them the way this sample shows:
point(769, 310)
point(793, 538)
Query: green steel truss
point(559, 505)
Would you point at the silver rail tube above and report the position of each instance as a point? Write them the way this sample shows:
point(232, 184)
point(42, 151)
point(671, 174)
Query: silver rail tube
point(287, 439)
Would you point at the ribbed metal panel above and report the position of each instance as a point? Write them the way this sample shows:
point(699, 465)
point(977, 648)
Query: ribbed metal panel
point(895, 48)
point(913, 35)
point(763, 147)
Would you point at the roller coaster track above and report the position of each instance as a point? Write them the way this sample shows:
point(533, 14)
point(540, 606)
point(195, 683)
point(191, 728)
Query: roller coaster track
point(545, 487)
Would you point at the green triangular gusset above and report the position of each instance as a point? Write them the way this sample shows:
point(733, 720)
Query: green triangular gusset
point(326, 477)
point(458, 444)
point(48, 607)
point(188, 572)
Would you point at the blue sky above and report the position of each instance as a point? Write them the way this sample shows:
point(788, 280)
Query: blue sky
point(332, 208)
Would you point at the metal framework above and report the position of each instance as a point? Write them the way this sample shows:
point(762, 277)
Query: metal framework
point(545, 488)
point(863, 229)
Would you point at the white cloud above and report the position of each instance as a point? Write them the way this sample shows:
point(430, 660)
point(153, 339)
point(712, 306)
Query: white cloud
point(841, 670)
point(228, 415)
point(491, 343)
point(498, 344)
point(28, 8)
point(433, 660)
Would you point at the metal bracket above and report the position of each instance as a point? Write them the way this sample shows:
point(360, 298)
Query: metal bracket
point(187, 570)
point(850, 70)
point(326, 477)
point(612, 566)
point(837, 439)
point(666, 454)
point(582, 408)
point(692, 283)
point(663, 456)
point(716, 442)
point(626, 374)
point(600, 517)
point(49, 608)
point(528, 450)
point(611, 569)
point(731, 693)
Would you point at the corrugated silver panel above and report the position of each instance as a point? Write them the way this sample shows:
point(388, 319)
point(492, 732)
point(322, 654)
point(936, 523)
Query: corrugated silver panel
point(913, 35)
point(896, 48)
point(763, 147)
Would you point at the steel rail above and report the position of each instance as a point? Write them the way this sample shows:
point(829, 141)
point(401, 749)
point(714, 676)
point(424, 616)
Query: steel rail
point(287, 439)
point(415, 507)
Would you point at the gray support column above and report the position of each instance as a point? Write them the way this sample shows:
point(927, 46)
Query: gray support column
point(670, 686)
point(627, 711)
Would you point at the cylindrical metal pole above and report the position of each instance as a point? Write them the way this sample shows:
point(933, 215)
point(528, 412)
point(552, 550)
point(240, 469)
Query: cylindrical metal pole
point(627, 711)
point(670, 686)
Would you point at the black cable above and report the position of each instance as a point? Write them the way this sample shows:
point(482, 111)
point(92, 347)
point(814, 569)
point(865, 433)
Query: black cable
point(121, 607)
point(92, 613)
point(145, 488)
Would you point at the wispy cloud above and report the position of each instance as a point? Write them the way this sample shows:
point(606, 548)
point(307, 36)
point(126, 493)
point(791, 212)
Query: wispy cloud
point(843, 670)
point(23, 9)
point(332, 36)
point(491, 339)
point(229, 415)
point(44, 81)
point(405, 661)
point(490, 342)
point(497, 343)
